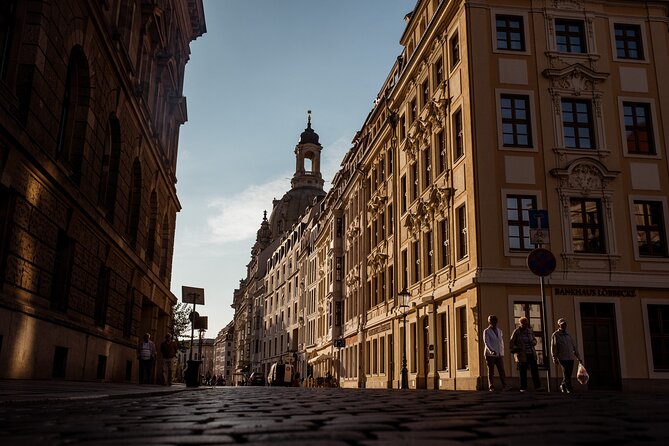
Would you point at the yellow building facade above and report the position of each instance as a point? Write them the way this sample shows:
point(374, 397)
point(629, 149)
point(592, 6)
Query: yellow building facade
point(495, 109)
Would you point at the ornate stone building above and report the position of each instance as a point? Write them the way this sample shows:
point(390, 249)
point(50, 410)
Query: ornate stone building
point(91, 101)
point(266, 302)
point(495, 109)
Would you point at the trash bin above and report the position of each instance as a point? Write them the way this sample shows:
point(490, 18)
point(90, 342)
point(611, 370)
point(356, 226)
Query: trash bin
point(192, 373)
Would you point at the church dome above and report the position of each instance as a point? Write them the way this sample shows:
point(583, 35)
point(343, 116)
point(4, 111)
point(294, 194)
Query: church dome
point(308, 136)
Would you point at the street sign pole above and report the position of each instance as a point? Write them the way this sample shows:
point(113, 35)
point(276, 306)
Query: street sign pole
point(542, 263)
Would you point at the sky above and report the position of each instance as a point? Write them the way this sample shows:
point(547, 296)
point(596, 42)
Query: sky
point(249, 83)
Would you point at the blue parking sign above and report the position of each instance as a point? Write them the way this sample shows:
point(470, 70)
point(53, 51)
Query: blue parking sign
point(538, 219)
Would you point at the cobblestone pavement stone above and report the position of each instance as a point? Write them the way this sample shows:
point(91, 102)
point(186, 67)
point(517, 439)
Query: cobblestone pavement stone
point(346, 417)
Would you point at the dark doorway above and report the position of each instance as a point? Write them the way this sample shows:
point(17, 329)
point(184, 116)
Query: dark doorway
point(600, 345)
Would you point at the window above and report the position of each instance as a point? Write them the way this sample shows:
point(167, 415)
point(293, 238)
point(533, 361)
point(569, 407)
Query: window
point(638, 128)
point(658, 321)
point(463, 355)
point(454, 46)
point(457, 132)
point(427, 167)
point(441, 152)
point(444, 255)
point(425, 93)
point(415, 252)
point(587, 231)
point(429, 254)
point(532, 311)
point(443, 332)
point(438, 72)
point(510, 33)
point(74, 114)
point(404, 193)
point(518, 221)
point(570, 36)
point(402, 127)
point(390, 219)
point(7, 26)
point(413, 110)
point(628, 41)
point(390, 161)
point(516, 120)
point(577, 124)
point(462, 232)
point(405, 269)
point(415, 182)
point(650, 232)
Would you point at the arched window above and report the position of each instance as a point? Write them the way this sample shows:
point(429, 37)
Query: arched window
point(7, 24)
point(74, 113)
point(109, 168)
point(164, 247)
point(153, 221)
point(135, 202)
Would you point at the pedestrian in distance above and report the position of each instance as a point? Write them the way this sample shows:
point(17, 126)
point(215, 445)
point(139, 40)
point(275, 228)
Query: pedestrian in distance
point(146, 354)
point(168, 350)
point(564, 352)
point(494, 352)
point(522, 345)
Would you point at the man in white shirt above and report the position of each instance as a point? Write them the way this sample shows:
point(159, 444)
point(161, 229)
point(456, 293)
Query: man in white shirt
point(494, 352)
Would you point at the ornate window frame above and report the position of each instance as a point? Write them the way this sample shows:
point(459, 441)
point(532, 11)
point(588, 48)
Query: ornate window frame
point(587, 178)
point(579, 82)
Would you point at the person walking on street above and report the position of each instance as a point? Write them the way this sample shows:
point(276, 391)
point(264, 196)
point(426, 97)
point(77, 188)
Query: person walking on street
point(564, 351)
point(146, 353)
point(494, 352)
point(168, 350)
point(522, 346)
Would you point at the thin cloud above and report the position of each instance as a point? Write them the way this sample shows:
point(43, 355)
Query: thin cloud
point(238, 217)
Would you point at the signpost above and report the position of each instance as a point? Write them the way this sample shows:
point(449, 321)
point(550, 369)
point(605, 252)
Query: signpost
point(191, 295)
point(339, 344)
point(539, 226)
point(542, 263)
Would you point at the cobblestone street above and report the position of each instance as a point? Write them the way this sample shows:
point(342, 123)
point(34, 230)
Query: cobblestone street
point(261, 415)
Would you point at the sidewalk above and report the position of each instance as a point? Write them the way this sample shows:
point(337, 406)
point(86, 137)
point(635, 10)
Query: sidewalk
point(38, 392)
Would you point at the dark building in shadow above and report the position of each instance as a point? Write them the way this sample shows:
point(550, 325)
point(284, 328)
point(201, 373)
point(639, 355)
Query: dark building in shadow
point(91, 103)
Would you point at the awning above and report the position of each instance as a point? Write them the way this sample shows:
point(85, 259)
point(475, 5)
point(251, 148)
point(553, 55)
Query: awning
point(320, 358)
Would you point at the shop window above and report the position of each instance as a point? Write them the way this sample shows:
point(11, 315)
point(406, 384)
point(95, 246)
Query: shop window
point(658, 320)
point(443, 336)
point(532, 311)
point(463, 347)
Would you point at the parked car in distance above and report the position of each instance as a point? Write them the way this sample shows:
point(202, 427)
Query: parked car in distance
point(256, 379)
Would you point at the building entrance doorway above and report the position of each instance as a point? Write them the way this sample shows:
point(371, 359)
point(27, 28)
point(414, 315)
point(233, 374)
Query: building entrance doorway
point(600, 345)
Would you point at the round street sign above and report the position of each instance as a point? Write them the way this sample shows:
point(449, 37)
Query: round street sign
point(541, 262)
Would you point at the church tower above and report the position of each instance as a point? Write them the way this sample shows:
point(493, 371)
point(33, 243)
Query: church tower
point(306, 184)
point(308, 159)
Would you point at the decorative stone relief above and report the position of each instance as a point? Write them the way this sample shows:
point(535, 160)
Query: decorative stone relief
point(568, 4)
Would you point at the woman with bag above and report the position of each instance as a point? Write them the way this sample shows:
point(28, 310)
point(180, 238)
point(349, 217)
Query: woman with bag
point(522, 346)
point(564, 352)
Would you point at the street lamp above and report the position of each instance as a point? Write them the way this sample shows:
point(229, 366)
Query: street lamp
point(403, 298)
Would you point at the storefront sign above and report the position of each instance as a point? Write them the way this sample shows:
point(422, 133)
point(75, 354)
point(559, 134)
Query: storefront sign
point(595, 292)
